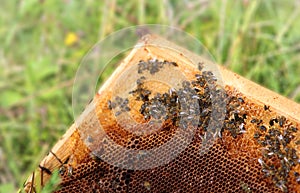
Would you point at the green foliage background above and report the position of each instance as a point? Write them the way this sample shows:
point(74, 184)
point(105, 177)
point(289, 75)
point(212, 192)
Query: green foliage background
point(257, 39)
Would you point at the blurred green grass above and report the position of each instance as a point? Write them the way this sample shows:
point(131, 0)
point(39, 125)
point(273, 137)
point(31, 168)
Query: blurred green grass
point(43, 42)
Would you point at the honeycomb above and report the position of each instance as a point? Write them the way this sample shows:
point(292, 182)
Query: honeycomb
point(255, 150)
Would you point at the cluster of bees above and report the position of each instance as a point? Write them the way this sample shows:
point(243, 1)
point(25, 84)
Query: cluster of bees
point(189, 105)
point(235, 120)
point(153, 65)
point(180, 106)
point(276, 144)
point(120, 103)
point(275, 137)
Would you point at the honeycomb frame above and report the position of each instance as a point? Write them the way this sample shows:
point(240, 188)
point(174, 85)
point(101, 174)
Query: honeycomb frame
point(236, 151)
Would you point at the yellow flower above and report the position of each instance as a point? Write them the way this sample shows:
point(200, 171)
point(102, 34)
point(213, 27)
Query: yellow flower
point(71, 39)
